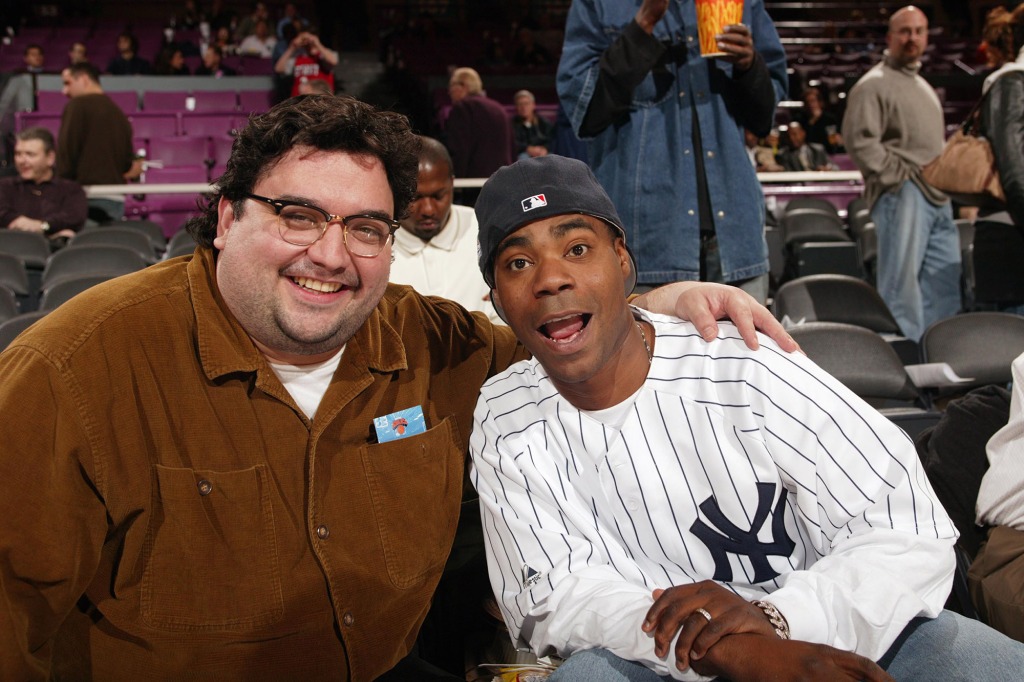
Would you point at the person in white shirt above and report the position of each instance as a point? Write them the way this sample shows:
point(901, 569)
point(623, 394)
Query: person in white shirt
point(260, 43)
point(660, 507)
point(435, 250)
point(997, 574)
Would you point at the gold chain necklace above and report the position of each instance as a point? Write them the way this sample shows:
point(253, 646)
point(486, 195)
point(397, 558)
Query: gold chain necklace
point(647, 346)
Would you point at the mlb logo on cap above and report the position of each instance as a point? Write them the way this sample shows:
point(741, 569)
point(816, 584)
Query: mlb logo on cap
point(536, 201)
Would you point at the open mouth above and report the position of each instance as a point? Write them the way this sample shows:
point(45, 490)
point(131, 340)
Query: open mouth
point(565, 329)
point(317, 285)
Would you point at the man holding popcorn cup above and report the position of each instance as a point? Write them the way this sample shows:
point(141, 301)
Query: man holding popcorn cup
point(662, 91)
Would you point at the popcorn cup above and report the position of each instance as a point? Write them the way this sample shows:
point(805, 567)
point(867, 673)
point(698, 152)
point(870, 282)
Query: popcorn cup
point(712, 18)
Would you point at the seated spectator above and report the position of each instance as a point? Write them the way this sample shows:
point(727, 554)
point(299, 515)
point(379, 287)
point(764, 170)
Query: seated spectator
point(479, 136)
point(290, 15)
point(127, 62)
point(533, 134)
point(247, 26)
point(189, 17)
point(36, 200)
point(997, 574)
point(77, 53)
point(803, 155)
point(171, 62)
point(528, 51)
point(306, 59)
point(34, 59)
point(260, 44)
point(212, 64)
point(221, 15)
point(821, 126)
point(761, 157)
point(655, 502)
point(222, 39)
point(435, 250)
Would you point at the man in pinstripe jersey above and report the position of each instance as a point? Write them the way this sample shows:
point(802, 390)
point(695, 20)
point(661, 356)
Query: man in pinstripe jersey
point(658, 507)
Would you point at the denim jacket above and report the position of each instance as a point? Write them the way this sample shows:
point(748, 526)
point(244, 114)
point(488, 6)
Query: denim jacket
point(647, 162)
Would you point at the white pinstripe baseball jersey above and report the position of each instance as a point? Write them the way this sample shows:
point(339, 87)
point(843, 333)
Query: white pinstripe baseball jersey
point(754, 468)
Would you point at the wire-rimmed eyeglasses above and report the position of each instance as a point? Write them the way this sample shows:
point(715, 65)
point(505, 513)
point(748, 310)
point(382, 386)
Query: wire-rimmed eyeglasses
point(302, 225)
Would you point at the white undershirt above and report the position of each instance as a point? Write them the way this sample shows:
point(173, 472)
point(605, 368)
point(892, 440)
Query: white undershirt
point(307, 383)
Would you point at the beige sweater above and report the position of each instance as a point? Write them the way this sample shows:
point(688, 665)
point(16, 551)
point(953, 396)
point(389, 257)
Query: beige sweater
point(893, 126)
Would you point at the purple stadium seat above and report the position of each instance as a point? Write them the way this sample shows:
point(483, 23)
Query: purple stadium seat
point(27, 119)
point(216, 100)
point(221, 148)
point(50, 101)
point(257, 66)
point(180, 150)
point(171, 175)
point(171, 100)
point(216, 171)
point(128, 100)
point(208, 124)
point(254, 100)
point(155, 124)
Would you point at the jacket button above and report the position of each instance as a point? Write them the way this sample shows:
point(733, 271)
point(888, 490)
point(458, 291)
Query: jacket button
point(711, 155)
point(721, 214)
point(348, 619)
point(205, 487)
point(323, 532)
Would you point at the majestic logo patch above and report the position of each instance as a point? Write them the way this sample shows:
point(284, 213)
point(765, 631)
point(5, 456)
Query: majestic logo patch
point(536, 201)
point(530, 577)
point(726, 538)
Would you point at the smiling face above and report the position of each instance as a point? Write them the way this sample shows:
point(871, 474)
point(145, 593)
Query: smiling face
point(560, 283)
point(300, 304)
point(33, 162)
point(430, 208)
point(908, 35)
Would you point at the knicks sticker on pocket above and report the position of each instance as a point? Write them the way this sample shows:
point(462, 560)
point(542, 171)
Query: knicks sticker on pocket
point(401, 424)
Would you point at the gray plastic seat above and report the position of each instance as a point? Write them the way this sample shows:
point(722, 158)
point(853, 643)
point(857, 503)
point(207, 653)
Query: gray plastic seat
point(10, 329)
point(91, 259)
point(136, 240)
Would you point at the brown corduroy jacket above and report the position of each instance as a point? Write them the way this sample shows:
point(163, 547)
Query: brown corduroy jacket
point(168, 513)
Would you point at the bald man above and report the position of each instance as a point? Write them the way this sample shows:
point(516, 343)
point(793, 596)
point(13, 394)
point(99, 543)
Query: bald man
point(435, 251)
point(893, 127)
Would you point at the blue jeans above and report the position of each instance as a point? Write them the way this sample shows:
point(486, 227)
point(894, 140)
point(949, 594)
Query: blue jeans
point(918, 259)
point(949, 647)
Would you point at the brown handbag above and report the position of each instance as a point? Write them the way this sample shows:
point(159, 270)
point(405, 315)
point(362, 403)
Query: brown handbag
point(966, 168)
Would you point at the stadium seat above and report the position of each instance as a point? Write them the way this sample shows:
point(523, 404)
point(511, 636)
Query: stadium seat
point(135, 240)
point(979, 346)
point(66, 289)
point(93, 259)
point(181, 150)
point(155, 124)
point(10, 329)
point(8, 304)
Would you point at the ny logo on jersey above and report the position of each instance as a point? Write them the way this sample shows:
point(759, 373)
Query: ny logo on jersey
point(727, 538)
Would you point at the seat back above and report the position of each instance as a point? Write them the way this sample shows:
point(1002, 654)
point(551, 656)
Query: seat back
point(859, 358)
point(979, 345)
point(146, 227)
point(215, 100)
point(13, 275)
point(66, 289)
point(10, 329)
point(813, 225)
point(123, 236)
point(91, 259)
point(8, 304)
point(180, 150)
point(834, 298)
point(155, 124)
point(32, 248)
point(181, 244)
point(818, 203)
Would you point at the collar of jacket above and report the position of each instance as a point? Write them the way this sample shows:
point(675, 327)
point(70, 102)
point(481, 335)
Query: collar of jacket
point(224, 347)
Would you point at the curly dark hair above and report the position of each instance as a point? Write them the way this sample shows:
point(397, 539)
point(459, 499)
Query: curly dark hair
point(323, 122)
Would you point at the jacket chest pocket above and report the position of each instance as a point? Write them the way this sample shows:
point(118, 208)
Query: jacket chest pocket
point(415, 486)
point(210, 555)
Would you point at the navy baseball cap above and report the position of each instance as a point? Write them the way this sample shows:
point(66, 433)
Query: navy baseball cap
point(534, 189)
